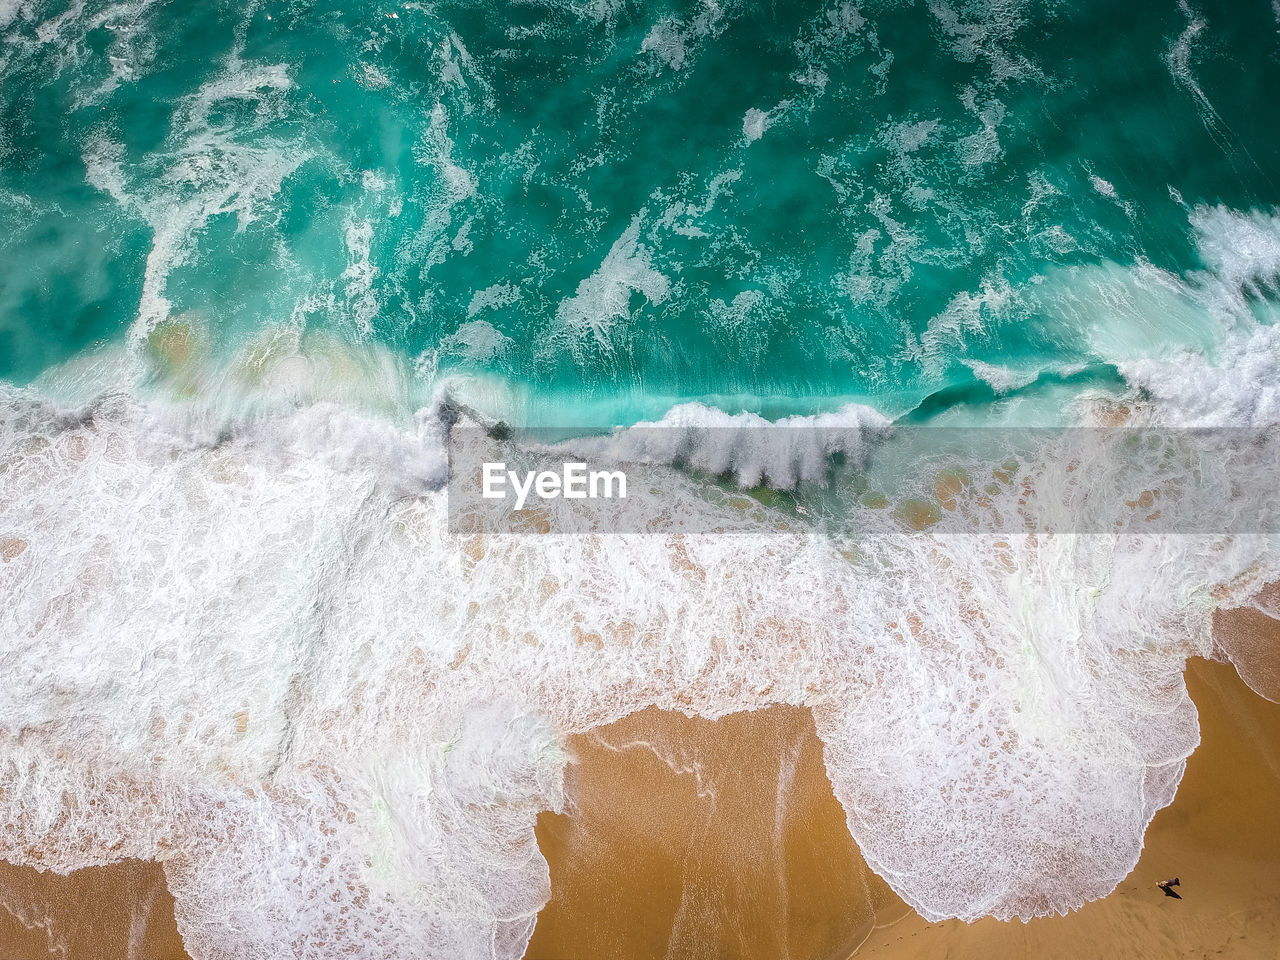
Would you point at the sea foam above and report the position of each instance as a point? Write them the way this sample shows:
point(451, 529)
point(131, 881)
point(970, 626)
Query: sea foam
point(276, 671)
point(285, 679)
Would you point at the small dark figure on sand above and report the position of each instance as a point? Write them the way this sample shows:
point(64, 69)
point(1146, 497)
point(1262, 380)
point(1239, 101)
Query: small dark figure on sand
point(1167, 886)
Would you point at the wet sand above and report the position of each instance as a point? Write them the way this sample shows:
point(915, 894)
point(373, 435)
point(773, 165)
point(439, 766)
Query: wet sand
point(721, 840)
point(693, 838)
point(1220, 837)
point(120, 912)
point(690, 839)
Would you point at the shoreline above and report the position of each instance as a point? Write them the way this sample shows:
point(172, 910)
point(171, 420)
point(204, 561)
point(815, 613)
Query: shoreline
point(733, 840)
point(122, 911)
point(1221, 836)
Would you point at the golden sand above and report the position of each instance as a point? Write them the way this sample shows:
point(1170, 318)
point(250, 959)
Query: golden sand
point(691, 839)
point(120, 912)
point(918, 514)
point(697, 838)
point(721, 840)
point(1252, 640)
point(1220, 837)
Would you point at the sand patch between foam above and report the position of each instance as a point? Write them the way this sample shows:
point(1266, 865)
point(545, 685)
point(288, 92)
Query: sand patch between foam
point(723, 839)
point(119, 912)
point(734, 849)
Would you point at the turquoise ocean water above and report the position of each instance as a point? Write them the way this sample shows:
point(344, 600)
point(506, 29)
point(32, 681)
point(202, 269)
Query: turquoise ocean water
point(619, 206)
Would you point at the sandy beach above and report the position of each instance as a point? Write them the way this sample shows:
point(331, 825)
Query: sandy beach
point(1220, 837)
point(698, 838)
point(710, 840)
point(691, 839)
point(120, 912)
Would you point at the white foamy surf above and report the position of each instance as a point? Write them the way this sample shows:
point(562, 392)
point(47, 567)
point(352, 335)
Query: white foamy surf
point(242, 642)
point(753, 450)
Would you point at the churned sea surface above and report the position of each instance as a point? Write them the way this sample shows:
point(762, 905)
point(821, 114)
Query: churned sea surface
point(806, 261)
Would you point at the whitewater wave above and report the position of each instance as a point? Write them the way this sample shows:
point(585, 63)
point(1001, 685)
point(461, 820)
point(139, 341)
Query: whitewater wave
point(280, 679)
point(285, 679)
point(753, 450)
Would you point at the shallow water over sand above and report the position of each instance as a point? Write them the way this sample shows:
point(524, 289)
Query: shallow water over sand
point(759, 864)
point(692, 838)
